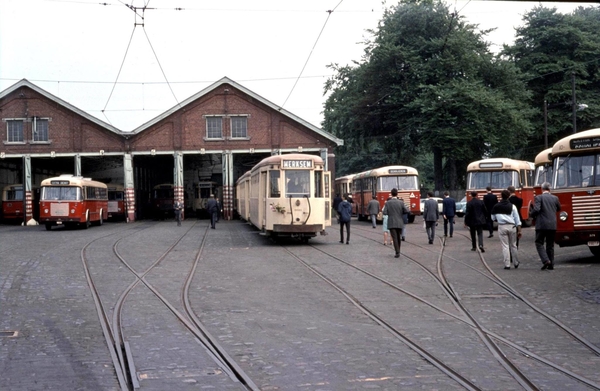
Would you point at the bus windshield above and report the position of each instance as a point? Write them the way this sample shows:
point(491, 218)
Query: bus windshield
point(576, 171)
point(115, 196)
point(401, 182)
point(16, 194)
point(543, 174)
point(67, 193)
point(494, 179)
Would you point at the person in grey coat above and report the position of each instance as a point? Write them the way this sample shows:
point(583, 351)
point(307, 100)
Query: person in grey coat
point(394, 209)
point(431, 214)
point(545, 207)
point(373, 210)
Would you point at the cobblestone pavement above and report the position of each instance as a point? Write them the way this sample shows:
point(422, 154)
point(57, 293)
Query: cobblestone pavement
point(286, 327)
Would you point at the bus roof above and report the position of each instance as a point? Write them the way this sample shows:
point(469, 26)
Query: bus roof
point(589, 139)
point(499, 163)
point(345, 178)
point(543, 157)
point(387, 171)
point(115, 187)
point(72, 180)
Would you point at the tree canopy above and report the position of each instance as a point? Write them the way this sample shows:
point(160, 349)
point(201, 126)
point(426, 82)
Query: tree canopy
point(427, 85)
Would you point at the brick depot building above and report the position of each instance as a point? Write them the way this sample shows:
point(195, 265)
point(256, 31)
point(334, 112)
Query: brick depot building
point(217, 134)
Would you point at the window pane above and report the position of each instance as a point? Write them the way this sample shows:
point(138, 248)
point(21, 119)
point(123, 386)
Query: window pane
point(40, 131)
point(15, 131)
point(239, 127)
point(274, 180)
point(214, 127)
point(297, 183)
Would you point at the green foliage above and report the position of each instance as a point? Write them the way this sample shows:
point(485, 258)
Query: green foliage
point(426, 86)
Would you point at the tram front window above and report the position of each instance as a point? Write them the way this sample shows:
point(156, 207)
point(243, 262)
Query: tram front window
point(297, 183)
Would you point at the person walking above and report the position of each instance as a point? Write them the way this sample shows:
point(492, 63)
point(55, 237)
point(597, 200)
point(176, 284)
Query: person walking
point(448, 213)
point(475, 220)
point(178, 208)
point(386, 230)
point(509, 228)
point(345, 213)
point(517, 202)
point(405, 219)
point(490, 199)
point(212, 208)
point(431, 214)
point(337, 200)
point(545, 207)
point(394, 209)
point(373, 210)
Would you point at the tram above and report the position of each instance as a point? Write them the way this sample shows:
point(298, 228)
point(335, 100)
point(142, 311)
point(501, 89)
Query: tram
point(286, 196)
point(576, 183)
point(499, 173)
point(163, 196)
point(117, 209)
point(73, 200)
point(13, 209)
point(378, 183)
point(343, 185)
point(543, 170)
point(202, 192)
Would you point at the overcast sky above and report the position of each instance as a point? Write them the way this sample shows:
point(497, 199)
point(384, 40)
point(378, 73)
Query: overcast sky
point(78, 49)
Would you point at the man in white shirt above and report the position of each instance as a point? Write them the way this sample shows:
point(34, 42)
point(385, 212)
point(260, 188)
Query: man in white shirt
point(509, 228)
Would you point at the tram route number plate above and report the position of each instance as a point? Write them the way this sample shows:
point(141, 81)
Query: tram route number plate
point(594, 244)
point(59, 209)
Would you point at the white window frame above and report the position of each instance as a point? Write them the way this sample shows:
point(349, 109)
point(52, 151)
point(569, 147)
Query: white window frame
point(232, 129)
point(8, 132)
point(207, 134)
point(34, 130)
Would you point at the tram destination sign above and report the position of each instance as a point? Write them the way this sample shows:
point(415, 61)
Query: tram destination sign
point(297, 164)
point(585, 142)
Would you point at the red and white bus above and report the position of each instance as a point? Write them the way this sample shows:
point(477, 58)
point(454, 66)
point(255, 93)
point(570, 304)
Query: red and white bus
point(499, 173)
point(73, 200)
point(543, 170)
point(13, 209)
point(117, 208)
point(378, 183)
point(576, 182)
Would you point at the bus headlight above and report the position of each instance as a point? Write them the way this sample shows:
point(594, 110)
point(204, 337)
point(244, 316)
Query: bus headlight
point(46, 210)
point(563, 216)
point(72, 211)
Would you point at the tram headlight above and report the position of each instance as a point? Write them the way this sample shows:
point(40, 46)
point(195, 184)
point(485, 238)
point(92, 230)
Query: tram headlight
point(563, 216)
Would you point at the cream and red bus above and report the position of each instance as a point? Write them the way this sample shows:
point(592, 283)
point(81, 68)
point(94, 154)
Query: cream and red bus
point(117, 209)
point(499, 173)
point(576, 182)
point(73, 200)
point(543, 170)
point(13, 207)
point(378, 183)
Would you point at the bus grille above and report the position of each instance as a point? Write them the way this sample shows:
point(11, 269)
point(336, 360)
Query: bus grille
point(586, 211)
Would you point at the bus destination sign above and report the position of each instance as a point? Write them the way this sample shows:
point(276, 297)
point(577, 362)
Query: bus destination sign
point(59, 182)
point(297, 164)
point(398, 171)
point(585, 142)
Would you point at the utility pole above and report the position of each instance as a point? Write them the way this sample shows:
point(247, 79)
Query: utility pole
point(574, 103)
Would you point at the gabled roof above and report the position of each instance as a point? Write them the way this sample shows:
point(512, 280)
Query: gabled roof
point(226, 80)
point(41, 91)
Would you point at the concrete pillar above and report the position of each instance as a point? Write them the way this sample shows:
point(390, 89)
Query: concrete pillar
point(129, 187)
point(77, 168)
point(228, 185)
point(27, 193)
point(178, 189)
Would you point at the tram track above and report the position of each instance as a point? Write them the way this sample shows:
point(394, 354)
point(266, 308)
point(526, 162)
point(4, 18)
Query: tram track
point(487, 335)
point(113, 326)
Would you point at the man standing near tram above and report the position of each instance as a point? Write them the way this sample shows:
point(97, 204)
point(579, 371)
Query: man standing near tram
point(545, 207)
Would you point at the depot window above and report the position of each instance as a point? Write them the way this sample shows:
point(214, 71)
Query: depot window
point(214, 127)
point(239, 127)
point(39, 130)
point(14, 130)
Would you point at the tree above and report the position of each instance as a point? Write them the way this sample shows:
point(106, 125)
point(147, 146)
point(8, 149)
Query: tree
point(550, 49)
point(428, 84)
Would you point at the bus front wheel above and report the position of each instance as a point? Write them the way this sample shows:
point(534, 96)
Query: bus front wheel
point(595, 250)
point(48, 226)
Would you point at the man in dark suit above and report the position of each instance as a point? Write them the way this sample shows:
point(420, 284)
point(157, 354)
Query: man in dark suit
point(212, 208)
point(448, 212)
point(490, 199)
point(475, 220)
point(545, 207)
point(431, 214)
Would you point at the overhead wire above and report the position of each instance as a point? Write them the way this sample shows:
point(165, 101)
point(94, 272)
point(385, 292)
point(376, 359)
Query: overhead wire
point(329, 12)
